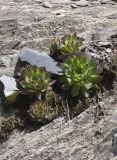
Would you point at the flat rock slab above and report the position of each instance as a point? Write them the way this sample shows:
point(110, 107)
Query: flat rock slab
point(40, 59)
point(9, 84)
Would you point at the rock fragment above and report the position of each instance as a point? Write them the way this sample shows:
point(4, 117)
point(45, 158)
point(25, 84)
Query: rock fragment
point(40, 59)
point(7, 85)
point(82, 3)
point(74, 5)
point(47, 5)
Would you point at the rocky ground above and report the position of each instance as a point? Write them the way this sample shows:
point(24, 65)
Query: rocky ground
point(91, 135)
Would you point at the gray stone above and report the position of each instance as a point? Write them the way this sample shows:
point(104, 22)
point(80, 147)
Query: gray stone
point(104, 1)
point(108, 50)
point(112, 16)
point(105, 44)
point(74, 5)
point(40, 59)
point(47, 5)
point(9, 84)
point(82, 3)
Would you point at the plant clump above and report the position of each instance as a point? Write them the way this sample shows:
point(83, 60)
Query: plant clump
point(34, 80)
point(80, 75)
point(43, 97)
point(52, 98)
point(70, 44)
point(9, 124)
point(42, 112)
point(67, 46)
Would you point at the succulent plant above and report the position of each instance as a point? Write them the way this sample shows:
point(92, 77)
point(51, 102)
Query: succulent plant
point(9, 124)
point(50, 97)
point(35, 80)
point(41, 112)
point(80, 75)
point(65, 47)
point(70, 44)
point(79, 107)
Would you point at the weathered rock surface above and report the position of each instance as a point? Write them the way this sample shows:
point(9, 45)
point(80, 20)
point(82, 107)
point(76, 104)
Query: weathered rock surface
point(89, 136)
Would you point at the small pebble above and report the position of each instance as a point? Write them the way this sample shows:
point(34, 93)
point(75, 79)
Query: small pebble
point(74, 6)
point(47, 5)
point(108, 50)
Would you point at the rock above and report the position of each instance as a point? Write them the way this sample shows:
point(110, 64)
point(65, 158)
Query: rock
point(104, 1)
point(9, 84)
point(112, 16)
point(108, 50)
point(47, 5)
point(102, 52)
point(82, 3)
point(104, 44)
point(74, 6)
point(40, 59)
